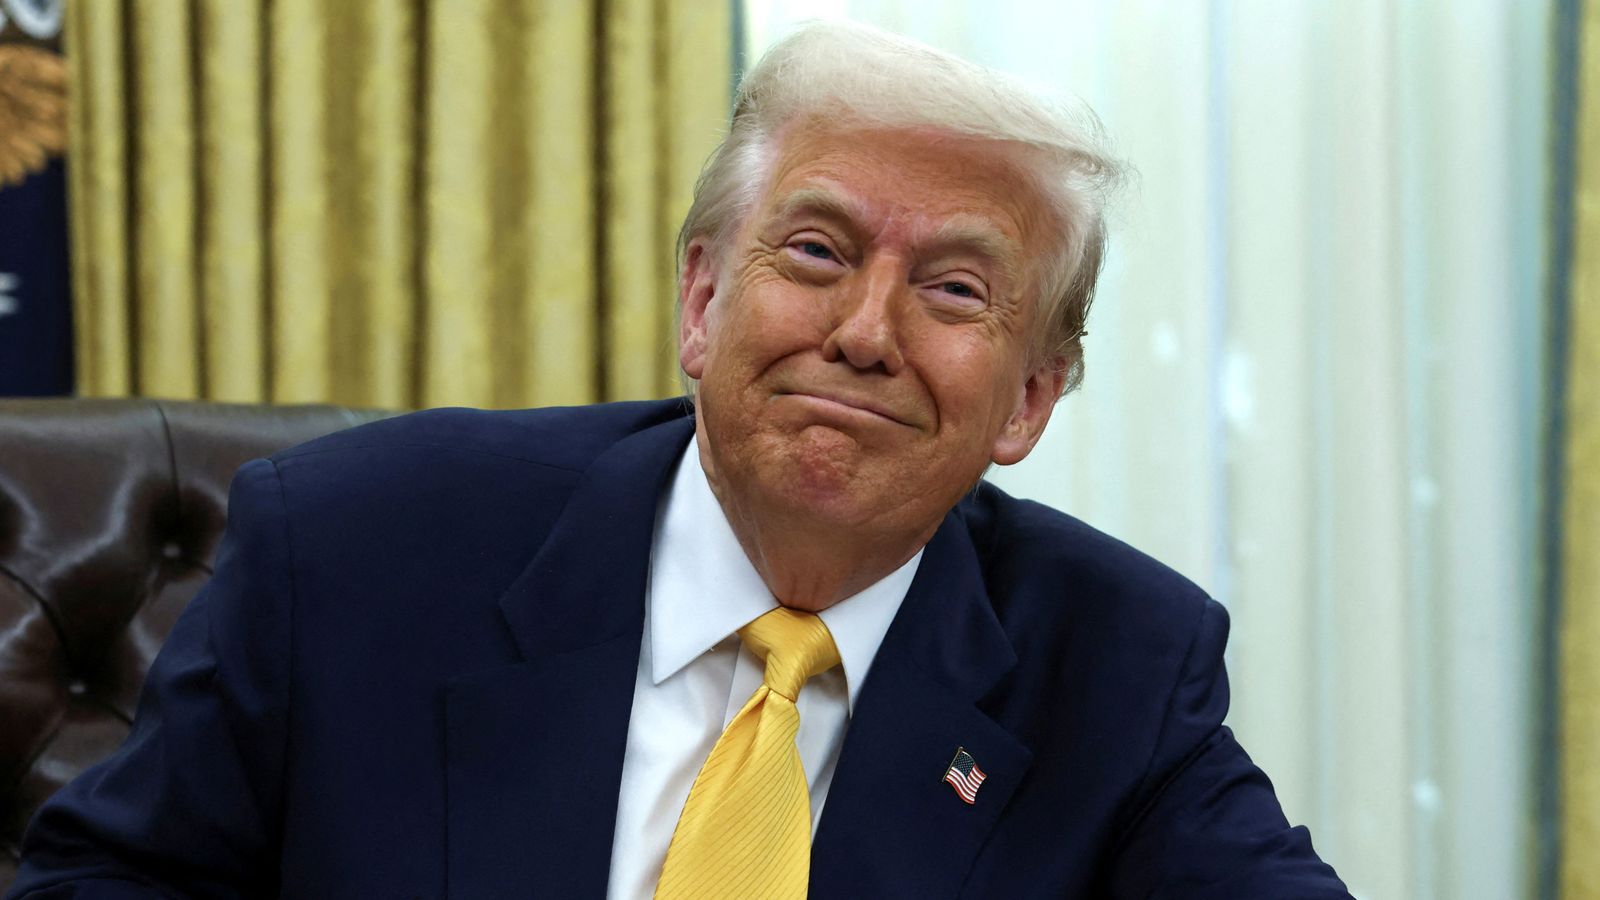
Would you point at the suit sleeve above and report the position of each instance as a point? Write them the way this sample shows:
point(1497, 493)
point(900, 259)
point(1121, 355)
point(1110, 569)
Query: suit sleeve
point(1210, 826)
point(189, 804)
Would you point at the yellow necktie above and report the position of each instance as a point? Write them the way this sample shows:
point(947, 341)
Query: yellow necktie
point(745, 830)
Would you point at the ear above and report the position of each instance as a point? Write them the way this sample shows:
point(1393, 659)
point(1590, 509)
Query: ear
point(1037, 399)
point(696, 288)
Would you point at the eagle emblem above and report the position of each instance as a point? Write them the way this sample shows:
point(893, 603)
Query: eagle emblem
point(33, 110)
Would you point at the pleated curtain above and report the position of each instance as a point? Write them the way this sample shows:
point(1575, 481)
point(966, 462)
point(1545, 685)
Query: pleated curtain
point(390, 203)
point(1580, 497)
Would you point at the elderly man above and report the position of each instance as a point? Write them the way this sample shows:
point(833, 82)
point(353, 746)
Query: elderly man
point(781, 640)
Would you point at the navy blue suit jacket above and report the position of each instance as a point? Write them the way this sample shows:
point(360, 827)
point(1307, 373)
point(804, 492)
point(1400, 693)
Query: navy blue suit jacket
point(411, 677)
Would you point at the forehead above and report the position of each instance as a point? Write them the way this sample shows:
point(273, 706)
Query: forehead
point(925, 185)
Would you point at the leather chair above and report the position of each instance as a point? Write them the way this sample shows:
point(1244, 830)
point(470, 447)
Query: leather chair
point(110, 514)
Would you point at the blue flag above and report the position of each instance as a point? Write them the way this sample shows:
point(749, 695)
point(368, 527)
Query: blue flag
point(35, 296)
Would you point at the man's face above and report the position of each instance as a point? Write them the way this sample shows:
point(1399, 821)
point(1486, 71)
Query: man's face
point(862, 345)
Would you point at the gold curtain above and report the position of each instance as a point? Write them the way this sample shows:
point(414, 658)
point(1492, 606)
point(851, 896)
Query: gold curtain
point(392, 203)
point(1580, 626)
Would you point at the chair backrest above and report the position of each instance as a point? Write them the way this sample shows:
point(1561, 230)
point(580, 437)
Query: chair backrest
point(110, 513)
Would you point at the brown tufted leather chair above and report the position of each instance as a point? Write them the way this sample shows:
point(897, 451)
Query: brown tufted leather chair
point(110, 511)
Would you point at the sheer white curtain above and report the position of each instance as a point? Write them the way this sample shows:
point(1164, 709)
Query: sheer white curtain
point(1313, 382)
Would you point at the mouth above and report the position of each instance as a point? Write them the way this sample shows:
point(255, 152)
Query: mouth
point(846, 406)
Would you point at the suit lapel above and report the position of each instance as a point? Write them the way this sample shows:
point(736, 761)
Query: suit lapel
point(891, 826)
point(534, 750)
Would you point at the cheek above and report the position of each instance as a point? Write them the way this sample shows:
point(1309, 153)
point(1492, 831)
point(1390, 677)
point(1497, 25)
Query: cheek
point(969, 382)
point(771, 319)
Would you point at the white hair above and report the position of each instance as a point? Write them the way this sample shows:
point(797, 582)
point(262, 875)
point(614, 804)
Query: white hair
point(848, 76)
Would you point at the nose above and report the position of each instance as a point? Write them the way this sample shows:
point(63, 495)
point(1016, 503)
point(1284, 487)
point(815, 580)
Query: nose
point(865, 333)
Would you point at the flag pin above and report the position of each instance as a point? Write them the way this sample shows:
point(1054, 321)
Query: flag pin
point(964, 776)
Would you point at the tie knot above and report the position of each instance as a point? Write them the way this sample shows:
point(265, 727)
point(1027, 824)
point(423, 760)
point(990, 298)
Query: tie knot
point(796, 646)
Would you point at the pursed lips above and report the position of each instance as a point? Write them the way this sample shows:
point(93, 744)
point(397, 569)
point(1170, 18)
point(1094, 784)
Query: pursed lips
point(859, 404)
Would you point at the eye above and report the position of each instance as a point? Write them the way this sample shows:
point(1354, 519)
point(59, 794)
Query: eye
point(965, 293)
point(816, 250)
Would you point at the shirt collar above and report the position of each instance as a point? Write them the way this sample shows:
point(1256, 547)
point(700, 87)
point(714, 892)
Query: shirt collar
point(703, 588)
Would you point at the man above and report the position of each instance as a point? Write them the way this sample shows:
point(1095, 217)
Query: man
point(782, 640)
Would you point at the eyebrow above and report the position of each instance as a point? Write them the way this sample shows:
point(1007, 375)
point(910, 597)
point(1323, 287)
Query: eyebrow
point(818, 202)
point(963, 235)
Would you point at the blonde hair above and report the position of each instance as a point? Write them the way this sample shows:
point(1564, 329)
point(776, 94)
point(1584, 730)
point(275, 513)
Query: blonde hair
point(848, 75)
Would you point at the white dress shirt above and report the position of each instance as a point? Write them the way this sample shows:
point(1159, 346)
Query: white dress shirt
point(695, 676)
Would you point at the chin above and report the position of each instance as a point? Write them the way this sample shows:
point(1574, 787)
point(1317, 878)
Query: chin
point(819, 473)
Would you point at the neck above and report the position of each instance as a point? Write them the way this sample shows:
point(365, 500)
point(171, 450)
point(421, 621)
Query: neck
point(808, 564)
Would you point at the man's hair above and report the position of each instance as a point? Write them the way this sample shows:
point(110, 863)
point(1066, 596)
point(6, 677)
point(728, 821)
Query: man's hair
point(846, 76)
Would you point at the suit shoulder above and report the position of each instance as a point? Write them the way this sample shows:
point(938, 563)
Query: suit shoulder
point(483, 485)
point(449, 465)
point(1039, 561)
point(567, 437)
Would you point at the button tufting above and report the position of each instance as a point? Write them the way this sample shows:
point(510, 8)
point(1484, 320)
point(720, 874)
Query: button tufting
point(82, 480)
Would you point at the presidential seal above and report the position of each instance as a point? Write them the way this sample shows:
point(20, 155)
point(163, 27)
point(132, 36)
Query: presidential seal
point(33, 110)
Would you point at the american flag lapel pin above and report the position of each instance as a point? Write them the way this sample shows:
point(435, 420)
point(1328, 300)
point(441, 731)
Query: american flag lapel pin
point(964, 776)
